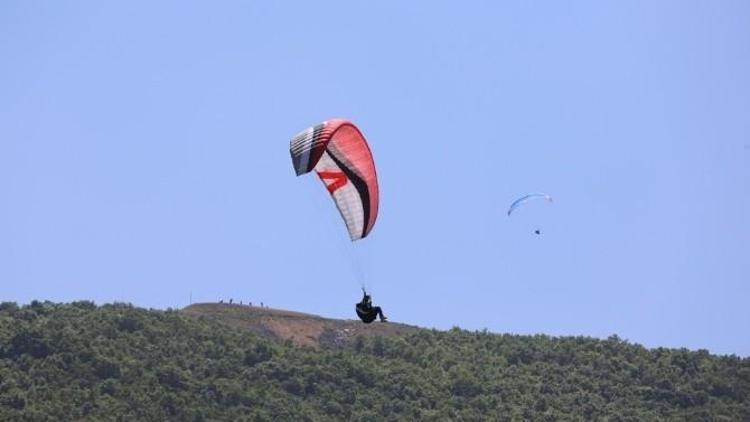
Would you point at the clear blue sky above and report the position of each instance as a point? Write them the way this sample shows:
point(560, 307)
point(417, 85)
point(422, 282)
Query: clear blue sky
point(144, 158)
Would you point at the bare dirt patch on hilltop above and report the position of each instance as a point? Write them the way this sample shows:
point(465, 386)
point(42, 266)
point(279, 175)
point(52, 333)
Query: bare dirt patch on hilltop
point(299, 328)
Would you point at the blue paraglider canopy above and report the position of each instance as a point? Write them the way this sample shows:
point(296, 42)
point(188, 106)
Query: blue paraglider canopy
point(518, 202)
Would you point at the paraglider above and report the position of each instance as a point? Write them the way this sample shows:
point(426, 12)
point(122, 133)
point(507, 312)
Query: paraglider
point(367, 312)
point(339, 154)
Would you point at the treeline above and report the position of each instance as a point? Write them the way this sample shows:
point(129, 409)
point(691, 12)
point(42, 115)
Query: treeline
point(115, 362)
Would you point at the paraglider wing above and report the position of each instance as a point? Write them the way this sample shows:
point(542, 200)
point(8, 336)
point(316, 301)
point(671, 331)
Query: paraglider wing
point(518, 202)
point(339, 154)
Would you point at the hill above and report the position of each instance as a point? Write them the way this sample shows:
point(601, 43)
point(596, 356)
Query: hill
point(79, 361)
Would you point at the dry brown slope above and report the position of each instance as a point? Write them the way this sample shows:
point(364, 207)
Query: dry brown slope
point(302, 329)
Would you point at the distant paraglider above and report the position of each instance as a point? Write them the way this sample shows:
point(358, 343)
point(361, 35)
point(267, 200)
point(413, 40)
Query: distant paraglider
point(522, 200)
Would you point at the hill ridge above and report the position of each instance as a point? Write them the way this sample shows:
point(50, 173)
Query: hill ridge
point(80, 361)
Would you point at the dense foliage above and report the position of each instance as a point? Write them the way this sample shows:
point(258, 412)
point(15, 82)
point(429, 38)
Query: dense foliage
point(82, 362)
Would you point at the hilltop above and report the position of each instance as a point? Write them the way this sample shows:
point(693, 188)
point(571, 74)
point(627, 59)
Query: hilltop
point(214, 362)
point(300, 328)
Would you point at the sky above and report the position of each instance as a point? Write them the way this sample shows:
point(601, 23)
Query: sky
point(144, 158)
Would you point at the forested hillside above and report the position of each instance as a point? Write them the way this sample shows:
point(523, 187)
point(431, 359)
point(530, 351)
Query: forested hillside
point(116, 362)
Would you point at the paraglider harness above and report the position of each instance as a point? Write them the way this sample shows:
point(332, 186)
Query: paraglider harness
point(366, 312)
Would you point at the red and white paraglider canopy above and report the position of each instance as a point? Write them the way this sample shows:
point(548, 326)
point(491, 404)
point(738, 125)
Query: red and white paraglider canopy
point(338, 152)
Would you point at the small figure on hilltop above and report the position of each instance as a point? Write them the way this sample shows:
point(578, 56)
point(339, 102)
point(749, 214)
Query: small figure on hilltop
point(230, 301)
point(366, 312)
